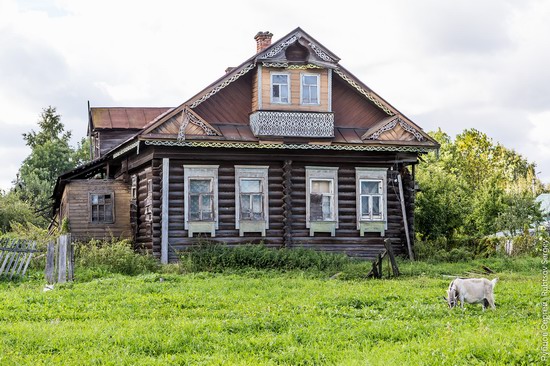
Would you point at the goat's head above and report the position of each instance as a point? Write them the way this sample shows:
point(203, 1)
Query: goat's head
point(452, 296)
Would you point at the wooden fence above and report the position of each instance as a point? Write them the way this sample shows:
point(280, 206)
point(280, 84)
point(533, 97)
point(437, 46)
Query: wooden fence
point(15, 256)
point(60, 260)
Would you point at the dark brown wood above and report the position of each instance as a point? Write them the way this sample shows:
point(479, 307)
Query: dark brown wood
point(389, 251)
point(287, 203)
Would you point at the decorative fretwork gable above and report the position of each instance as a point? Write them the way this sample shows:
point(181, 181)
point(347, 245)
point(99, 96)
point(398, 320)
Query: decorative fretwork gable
point(395, 128)
point(193, 124)
point(297, 48)
point(184, 123)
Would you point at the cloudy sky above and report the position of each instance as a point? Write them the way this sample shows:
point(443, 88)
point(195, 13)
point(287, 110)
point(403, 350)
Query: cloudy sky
point(481, 64)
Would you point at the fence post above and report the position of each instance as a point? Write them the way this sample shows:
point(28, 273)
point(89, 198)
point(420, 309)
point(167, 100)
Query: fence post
point(70, 258)
point(62, 259)
point(50, 263)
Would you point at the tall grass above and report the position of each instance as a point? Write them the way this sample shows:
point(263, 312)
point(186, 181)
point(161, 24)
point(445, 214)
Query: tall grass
point(97, 258)
point(266, 318)
point(218, 257)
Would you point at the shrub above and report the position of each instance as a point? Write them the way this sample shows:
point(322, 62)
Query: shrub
point(218, 257)
point(115, 256)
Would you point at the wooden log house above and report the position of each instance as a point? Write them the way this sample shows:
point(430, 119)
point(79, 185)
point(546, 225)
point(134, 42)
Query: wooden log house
point(288, 149)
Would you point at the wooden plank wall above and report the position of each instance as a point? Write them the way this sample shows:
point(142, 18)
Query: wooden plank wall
point(295, 82)
point(77, 208)
point(347, 239)
point(108, 139)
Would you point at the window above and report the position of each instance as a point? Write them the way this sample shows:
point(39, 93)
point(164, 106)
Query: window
point(280, 88)
point(149, 203)
point(201, 206)
point(101, 208)
point(371, 199)
point(251, 199)
point(251, 195)
point(322, 199)
point(201, 199)
point(133, 189)
point(310, 89)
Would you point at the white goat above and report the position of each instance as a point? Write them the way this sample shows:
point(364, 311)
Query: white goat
point(471, 290)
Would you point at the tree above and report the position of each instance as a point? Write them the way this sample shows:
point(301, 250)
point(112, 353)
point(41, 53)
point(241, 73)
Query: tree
point(15, 211)
point(473, 187)
point(51, 155)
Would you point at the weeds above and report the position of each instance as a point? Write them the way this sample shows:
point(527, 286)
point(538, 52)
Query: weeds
point(217, 257)
point(97, 258)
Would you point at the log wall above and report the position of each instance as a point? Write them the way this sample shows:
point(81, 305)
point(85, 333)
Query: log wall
point(287, 203)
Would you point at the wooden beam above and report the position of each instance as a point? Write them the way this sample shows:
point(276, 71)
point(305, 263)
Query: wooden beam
point(165, 209)
point(389, 250)
point(404, 212)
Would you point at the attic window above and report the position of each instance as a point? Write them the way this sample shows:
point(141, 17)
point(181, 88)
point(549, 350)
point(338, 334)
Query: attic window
point(280, 87)
point(310, 89)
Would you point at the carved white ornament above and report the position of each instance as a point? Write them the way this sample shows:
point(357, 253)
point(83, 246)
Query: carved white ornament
point(225, 83)
point(279, 48)
point(188, 117)
point(292, 124)
point(390, 126)
point(255, 145)
point(320, 53)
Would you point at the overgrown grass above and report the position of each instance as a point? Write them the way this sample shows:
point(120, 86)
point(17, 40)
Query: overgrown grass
point(96, 259)
point(258, 306)
point(259, 317)
point(218, 257)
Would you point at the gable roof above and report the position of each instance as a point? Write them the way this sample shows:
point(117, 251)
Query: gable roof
point(123, 117)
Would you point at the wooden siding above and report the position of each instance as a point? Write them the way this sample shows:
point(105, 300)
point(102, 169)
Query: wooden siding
point(232, 104)
point(294, 105)
point(352, 109)
point(347, 239)
point(108, 139)
point(77, 209)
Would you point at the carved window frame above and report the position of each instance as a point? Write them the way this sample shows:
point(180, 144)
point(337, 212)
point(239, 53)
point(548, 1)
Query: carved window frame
point(370, 223)
point(252, 172)
point(206, 172)
point(318, 87)
point(314, 173)
point(272, 84)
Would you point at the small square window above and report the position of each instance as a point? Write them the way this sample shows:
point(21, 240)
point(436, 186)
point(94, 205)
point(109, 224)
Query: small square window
point(101, 208)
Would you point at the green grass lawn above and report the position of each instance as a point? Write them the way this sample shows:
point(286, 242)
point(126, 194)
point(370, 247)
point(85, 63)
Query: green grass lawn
point(270, 318)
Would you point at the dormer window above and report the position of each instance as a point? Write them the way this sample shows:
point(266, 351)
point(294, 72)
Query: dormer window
point(280, 88)
point(310, 89)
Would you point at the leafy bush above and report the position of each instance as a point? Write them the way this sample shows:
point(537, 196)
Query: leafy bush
point(98, 258)
point(218, 257)
point(457, 248)
point(530, 244)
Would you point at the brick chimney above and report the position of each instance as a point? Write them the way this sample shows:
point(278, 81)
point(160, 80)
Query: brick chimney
point(263, 40)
